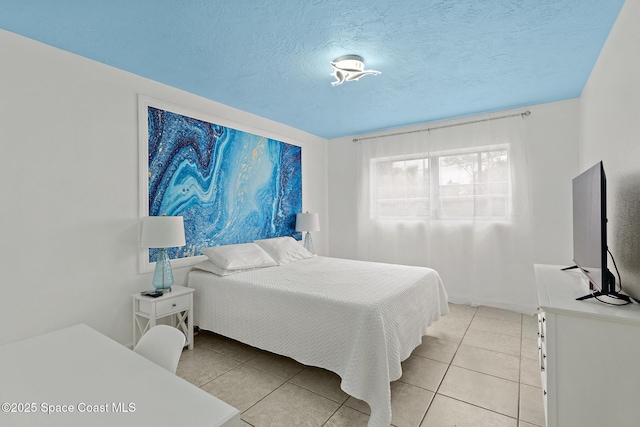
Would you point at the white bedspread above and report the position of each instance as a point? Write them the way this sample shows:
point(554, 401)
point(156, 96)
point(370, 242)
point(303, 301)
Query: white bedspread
point(357, 319)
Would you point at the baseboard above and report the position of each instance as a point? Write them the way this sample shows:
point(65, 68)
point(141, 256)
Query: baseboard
point(476, 302)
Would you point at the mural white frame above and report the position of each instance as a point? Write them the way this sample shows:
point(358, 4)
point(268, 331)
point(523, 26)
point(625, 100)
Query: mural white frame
point(144, 102)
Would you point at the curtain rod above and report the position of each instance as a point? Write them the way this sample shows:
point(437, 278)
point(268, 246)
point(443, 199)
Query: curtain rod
point(523, 115)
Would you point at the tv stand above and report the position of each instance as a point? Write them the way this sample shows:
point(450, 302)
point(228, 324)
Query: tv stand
point(616, 295)
point(589, 354)
point(610, 283)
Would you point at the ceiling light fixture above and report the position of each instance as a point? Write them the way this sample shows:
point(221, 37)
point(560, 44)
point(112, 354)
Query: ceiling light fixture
point(348, 68)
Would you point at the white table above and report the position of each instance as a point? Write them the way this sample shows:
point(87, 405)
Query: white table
point(102, 382)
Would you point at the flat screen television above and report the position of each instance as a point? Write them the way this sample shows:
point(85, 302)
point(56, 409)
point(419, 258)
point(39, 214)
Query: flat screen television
point(590, 231)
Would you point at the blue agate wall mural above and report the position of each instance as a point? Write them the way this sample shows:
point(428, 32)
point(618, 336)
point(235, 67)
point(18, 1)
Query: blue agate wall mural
point(230, 186)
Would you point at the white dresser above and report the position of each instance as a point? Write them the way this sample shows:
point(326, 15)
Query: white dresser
point(589, 354)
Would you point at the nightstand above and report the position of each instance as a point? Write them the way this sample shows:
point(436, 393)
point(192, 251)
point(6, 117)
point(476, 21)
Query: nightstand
point(147, 310)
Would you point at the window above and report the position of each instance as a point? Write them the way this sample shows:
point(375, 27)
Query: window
point(449, 185)
point(401, 188)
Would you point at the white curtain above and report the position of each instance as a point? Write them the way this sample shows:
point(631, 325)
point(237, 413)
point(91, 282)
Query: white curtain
point(457, 200)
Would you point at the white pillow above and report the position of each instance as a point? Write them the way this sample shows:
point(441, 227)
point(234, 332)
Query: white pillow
point(207, 265)
point(284, 250)
point(238, 257)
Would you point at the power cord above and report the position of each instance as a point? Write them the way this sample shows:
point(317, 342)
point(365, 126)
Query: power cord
point(614, 297)
point(619, 282)
point(616, 267)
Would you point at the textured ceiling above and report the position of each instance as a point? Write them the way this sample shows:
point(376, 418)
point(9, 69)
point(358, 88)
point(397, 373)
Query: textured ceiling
point(439, 58)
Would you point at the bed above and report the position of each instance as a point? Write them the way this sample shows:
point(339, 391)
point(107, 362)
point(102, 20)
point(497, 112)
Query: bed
point(358, 319)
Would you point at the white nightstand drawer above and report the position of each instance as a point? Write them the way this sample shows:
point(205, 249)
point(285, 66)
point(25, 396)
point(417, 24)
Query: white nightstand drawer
point(165, 307)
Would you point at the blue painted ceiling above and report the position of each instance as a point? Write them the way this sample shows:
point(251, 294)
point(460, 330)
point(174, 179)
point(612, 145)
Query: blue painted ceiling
point(439, 58)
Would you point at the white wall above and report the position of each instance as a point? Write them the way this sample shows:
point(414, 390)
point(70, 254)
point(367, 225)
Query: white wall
point(610, 131)
point(69, 178)
point(69, 187)
point(553, 139)
point(552, 135)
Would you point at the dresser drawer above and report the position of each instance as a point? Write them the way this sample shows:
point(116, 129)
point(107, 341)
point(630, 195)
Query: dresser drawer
point(542, 324)
point(165, 307)
point(542, 330)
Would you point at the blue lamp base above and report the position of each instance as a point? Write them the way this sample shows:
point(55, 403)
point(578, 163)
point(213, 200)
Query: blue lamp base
point(163, 275)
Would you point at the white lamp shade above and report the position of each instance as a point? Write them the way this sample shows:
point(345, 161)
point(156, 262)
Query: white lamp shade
point(307, 222)
point(162, 232)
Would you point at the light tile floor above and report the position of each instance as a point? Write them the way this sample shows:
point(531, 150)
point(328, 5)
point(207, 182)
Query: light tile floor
point(476, 367)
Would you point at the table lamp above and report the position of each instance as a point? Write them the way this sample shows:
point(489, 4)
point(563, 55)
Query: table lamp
point(162, 232)
point(308, 222)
